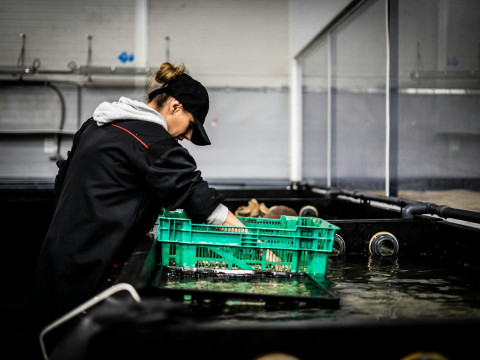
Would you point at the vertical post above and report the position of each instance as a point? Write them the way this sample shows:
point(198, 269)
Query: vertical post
point(329, 109)
point(296, 121)
point(391, 98)
point(332, 124)
point(141, 38)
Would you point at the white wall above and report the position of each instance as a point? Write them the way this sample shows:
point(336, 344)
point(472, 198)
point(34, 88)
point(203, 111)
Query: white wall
point(224, 43)
point(308, 18)
point(237, 48)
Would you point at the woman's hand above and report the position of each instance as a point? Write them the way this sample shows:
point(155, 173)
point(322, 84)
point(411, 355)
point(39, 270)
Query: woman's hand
point(232, 220)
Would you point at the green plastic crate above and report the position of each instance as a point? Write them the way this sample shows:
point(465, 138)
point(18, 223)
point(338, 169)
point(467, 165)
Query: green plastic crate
point(289, 244)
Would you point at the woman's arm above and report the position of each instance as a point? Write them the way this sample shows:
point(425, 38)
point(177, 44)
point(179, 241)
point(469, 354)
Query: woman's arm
point(232, 220)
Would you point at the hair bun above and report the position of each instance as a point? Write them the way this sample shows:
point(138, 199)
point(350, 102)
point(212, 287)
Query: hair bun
point(168, 72)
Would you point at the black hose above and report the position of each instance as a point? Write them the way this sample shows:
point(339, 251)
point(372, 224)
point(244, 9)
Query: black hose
point(443, 211)
point(332, 192)
point(410, 210)
point(50, 83)
point(409, 207)
point(62, 119)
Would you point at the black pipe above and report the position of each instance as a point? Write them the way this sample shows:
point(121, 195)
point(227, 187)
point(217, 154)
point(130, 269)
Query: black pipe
point(50, 83)
point(443, 211)
point(58, 156)
point(410, 210)
point(409, 207)
point(333, 192)
point(383, 244)
point(22, 82)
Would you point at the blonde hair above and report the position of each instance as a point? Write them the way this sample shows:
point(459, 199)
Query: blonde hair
point(166, 73)
point(161, 77)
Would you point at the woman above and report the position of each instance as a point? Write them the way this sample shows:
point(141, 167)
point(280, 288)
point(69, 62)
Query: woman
point(126, 163)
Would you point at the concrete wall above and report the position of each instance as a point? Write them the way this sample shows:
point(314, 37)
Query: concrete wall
point(237, 49)
point(241, 50)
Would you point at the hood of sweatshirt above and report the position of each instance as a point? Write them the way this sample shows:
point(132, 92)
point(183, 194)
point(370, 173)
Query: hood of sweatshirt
point(127, 109)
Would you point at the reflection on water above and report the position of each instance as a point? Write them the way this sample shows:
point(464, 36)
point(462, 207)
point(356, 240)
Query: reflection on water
point(369, 288)
point(269, 286)
point(394, 288)
point(293, 286)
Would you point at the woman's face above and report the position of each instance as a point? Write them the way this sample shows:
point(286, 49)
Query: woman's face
point(180, 122)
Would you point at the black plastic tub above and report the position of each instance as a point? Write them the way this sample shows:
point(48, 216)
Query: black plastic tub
point(189, 324)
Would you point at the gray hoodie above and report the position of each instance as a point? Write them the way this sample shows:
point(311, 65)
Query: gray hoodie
point(127, 109)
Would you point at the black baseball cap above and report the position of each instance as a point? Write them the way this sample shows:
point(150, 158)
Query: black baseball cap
point(194, 98)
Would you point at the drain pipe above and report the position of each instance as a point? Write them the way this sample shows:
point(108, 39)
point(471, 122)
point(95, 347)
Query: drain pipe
point(330, 193)
point(410, 208)
point(333, 193)
point(383, 243)
point(409, 211)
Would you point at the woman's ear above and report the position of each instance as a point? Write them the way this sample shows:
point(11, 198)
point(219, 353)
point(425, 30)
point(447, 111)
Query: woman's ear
point(175, 105)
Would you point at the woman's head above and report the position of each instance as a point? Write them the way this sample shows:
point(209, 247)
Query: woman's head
point(182, 101)
point(180, 122)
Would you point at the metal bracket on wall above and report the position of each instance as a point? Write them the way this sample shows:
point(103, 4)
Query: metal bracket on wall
point(419, 74)
point(20, 68)
point(72, 67)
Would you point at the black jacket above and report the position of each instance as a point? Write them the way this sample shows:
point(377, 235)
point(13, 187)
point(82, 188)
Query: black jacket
point(110, 191)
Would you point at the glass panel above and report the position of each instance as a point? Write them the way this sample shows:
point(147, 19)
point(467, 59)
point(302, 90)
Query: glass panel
point(439, 102)
point(315, 96)
point(358, 101)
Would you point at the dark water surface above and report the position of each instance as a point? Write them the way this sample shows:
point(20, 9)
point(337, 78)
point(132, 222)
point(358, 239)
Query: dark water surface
point(402, 288)
point(368, 288)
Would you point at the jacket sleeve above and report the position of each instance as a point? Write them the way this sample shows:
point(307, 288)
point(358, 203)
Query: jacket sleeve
point(63, 164)
point(172, 177)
